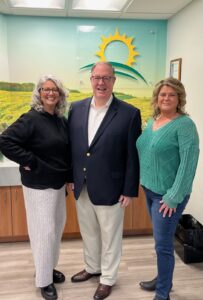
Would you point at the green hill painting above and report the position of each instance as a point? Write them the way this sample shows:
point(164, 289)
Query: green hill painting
point(15, 103)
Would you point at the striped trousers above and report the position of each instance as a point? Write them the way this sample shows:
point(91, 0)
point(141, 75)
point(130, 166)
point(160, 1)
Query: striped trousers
point(46, 216)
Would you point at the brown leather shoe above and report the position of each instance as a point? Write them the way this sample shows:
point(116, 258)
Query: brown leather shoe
point(83, 276)
point(102, 292)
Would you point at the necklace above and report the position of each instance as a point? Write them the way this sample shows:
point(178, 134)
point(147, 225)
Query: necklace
point(162, 120)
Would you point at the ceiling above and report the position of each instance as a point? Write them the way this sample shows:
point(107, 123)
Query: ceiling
point(133, 9)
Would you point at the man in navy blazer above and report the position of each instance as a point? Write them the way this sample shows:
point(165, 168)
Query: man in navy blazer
point(103, 134)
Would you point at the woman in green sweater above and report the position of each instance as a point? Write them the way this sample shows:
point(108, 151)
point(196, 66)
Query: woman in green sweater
point(168, 151)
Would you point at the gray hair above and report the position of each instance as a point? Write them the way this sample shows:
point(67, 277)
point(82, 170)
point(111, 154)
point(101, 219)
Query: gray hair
point(63, 94)
point(103, 63)
point(180, 90)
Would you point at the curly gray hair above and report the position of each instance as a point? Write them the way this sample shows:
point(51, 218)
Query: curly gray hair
point(63, 94)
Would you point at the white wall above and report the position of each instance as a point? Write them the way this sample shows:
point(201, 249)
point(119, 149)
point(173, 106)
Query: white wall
point(4, 70)
point(185, 40)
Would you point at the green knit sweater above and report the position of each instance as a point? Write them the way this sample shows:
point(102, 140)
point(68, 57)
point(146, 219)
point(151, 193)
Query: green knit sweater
point(168, 158)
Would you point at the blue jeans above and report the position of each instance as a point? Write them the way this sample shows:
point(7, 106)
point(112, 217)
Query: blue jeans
point(163, 231)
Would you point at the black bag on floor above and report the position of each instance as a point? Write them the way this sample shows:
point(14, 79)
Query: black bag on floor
point(190, 231)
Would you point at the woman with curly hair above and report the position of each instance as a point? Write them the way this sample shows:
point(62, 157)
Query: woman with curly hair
point(39, 143)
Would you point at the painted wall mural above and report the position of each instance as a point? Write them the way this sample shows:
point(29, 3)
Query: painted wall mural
point(130, 57)
point(67, 48)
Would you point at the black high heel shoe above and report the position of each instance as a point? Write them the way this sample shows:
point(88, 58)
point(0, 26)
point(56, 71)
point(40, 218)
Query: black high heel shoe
point(149, 285)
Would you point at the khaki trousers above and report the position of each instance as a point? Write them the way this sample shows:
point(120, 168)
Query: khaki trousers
point(101, 228)
point(46, 216)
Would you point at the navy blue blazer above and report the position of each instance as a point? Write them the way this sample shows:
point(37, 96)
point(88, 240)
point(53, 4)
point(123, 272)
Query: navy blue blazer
point(110, 164)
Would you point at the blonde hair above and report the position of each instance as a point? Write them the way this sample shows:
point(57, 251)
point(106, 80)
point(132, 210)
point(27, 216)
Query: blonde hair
point(178, 87)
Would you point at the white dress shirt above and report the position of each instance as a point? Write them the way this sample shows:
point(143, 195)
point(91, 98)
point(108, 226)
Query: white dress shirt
point(96, 115)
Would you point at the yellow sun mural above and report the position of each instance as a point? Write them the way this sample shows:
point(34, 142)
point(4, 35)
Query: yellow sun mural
point(121, 69)
point(121, 38)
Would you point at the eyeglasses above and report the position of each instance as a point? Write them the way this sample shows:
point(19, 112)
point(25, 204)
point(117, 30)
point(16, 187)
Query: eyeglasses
point(103, 78)
point(48, 91)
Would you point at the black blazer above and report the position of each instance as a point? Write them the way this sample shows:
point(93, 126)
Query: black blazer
point(110, 164)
